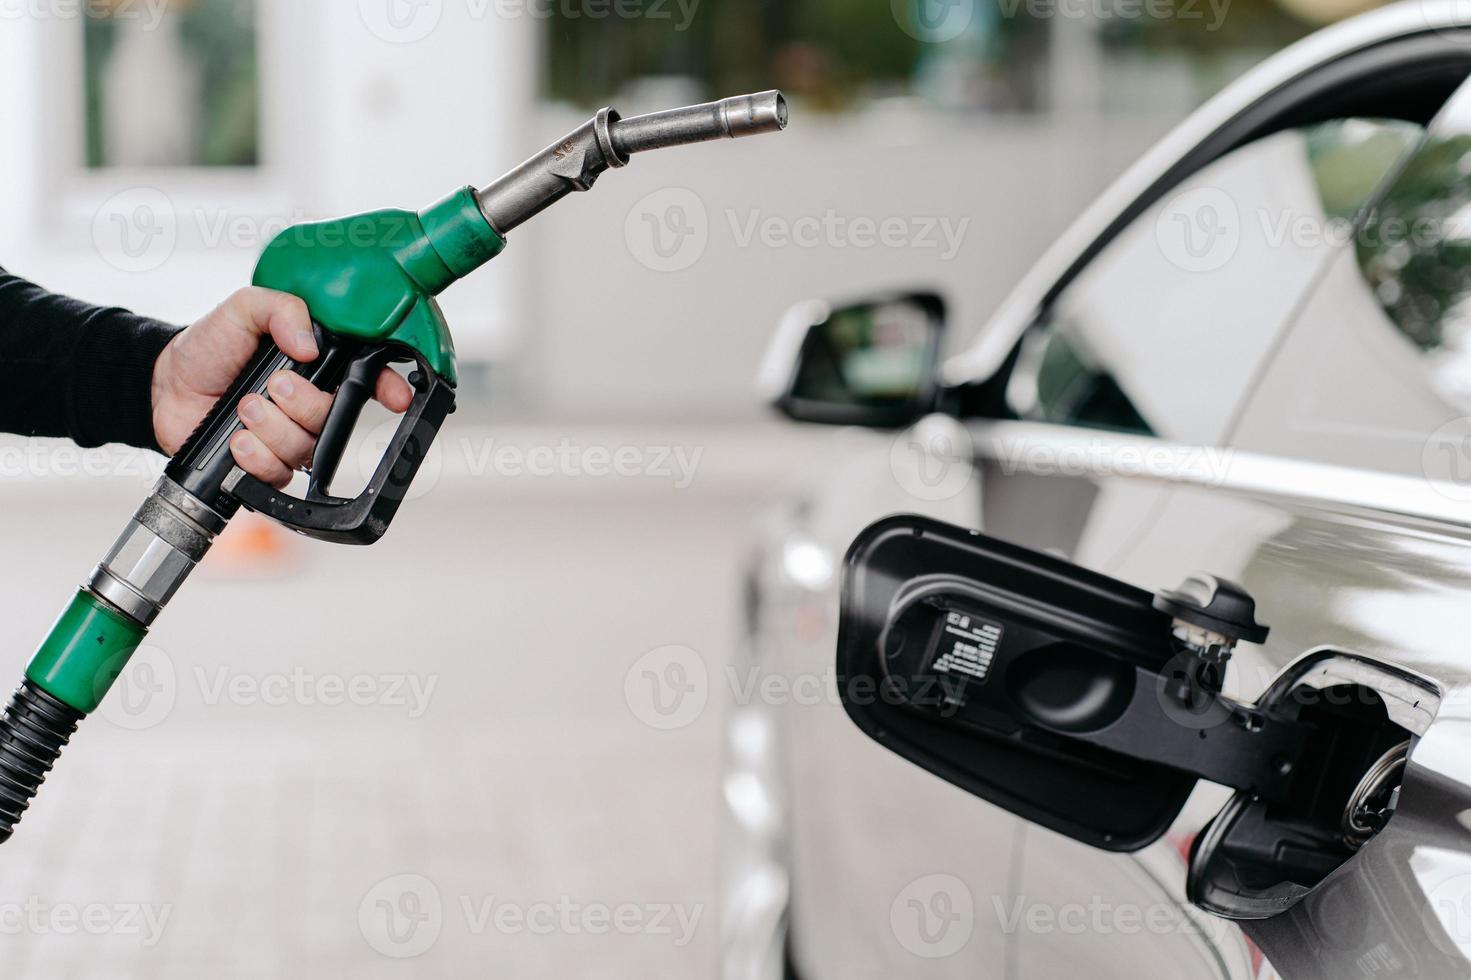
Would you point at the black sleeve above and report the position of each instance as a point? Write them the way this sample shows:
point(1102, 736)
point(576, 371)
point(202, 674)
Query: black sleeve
point(76, 371)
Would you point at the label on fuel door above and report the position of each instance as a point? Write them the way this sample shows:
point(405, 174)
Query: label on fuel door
point(965, 647)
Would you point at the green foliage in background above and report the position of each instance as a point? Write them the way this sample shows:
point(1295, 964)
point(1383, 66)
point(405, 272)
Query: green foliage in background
point(824, 51)
point(220, 36)
point(1415, 249)
point(830, 52)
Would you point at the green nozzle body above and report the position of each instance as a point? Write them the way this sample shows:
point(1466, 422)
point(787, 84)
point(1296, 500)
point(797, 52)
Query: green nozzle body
point(374, 276)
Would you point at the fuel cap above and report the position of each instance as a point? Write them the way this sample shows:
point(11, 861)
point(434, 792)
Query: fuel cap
point(1213, 603)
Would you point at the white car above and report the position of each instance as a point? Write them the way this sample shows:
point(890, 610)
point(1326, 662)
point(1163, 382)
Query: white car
point(1249, 362)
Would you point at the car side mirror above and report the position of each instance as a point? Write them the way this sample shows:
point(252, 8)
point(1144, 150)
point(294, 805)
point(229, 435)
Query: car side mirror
point(872, 363)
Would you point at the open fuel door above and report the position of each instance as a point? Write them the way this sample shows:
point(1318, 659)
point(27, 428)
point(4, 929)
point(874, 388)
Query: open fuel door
point(1092, 707)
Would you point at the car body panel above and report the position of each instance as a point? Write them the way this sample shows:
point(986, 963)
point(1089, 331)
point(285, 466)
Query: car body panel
point(1340, 557)
point(1096, 225)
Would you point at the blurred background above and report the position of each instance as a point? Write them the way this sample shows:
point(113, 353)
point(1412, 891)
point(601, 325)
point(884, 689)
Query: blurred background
point(436, 756)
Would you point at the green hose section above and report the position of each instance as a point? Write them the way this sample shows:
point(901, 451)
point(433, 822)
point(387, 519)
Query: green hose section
point(84, 652)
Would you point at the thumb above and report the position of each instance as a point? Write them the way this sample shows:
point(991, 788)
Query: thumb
point(284, 317)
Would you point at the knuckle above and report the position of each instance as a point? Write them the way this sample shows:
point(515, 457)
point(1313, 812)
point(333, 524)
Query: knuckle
point(291, 304)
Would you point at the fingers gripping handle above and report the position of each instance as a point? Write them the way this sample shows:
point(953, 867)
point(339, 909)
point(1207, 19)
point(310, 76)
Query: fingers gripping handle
point(365, 518)
point(204, 463)
point(205, 468)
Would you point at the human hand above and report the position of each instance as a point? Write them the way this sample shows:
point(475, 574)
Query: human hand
point(199, 365)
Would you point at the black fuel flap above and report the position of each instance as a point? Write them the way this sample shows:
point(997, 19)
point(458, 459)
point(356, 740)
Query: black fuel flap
point(1038, 685)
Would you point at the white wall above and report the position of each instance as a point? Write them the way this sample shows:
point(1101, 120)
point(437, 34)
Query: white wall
point(351, 121)
point(617, 339)
point(354, 121)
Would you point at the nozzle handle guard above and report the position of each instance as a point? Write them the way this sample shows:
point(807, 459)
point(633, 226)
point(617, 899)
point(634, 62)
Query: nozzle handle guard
point(365, 518)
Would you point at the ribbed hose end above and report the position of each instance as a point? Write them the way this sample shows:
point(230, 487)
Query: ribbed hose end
point(33, 731)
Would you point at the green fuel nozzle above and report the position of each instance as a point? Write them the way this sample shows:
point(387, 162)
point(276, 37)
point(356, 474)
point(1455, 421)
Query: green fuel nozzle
point(369, 282)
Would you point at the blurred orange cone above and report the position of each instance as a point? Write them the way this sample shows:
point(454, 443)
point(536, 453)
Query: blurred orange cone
point(253, 547)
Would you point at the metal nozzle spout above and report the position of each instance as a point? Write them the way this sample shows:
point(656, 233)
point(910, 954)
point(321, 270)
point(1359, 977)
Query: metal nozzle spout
point(607, 140)
point(743, 115)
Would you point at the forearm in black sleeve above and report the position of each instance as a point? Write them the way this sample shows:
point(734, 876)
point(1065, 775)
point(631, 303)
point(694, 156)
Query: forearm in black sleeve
point(76, 371)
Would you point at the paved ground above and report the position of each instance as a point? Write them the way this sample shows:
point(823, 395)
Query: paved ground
point(425, 748)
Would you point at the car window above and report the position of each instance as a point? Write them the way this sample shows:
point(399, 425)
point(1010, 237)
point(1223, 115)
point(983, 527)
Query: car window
point(1376, 371)
point(1165, 331)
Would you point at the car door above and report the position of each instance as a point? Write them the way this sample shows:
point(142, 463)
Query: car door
point(1337, 503)
point(1370, 550)
point(1103, 387)
point(1133, 374)
point(888, 866)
